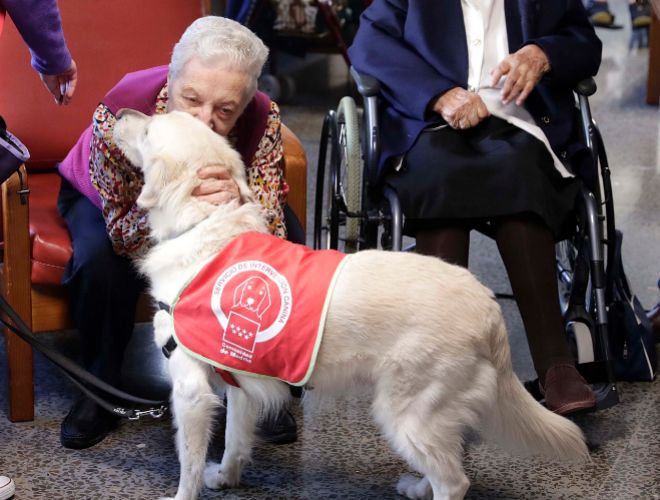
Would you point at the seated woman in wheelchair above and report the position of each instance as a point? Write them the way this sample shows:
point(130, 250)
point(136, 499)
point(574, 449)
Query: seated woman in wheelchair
point(477, 111)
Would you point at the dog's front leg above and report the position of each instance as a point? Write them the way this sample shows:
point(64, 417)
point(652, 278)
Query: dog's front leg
point(239, 438)
point(193, 406)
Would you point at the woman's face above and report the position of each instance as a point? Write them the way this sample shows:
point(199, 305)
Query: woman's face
point(214, 94)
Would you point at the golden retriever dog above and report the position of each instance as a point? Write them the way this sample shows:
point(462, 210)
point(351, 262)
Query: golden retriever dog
point(425, 335)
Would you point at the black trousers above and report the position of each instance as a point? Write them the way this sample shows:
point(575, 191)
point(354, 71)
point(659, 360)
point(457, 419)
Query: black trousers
point(104, 287)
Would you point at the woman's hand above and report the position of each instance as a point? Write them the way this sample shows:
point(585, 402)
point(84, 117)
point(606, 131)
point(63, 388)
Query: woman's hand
point(217, 185)
point(62, 86)
point(461, 109)
point(523, 70)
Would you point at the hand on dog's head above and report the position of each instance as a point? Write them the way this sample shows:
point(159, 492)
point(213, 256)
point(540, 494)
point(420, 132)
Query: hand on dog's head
point(170, 149)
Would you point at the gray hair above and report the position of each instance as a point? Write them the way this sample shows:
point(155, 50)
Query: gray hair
point(218, 39)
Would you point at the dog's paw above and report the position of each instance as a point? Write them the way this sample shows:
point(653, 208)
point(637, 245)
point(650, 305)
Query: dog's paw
point(414, 488)
point(216, 478)
point(162, 328)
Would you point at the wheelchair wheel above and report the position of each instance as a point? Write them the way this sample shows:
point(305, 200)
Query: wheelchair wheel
point(577, 319)
point(350, 168)
point(581, 341)
point(566, 253)
point(338, 184)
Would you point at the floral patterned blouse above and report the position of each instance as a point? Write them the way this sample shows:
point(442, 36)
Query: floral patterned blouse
point(119, 182)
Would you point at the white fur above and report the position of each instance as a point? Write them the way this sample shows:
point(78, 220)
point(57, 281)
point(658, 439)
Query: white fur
point(425, 334)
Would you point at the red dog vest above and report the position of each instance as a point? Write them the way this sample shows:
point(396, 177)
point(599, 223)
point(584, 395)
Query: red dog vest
point(258, 307)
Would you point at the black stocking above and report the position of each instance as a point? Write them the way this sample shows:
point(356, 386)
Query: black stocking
point(451, 243)
point(527, 249)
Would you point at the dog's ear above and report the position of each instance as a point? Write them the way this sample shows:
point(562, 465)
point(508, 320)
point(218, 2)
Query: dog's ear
point(245, 192)
point(161, 171)
point(237, 171)
point(148, 197)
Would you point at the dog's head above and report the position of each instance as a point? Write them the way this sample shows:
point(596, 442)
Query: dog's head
point(170, 149)
point(253, 294)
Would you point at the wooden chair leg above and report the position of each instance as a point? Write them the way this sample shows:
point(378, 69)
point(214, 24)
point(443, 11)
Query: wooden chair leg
point(21, 388)
point(16, 286)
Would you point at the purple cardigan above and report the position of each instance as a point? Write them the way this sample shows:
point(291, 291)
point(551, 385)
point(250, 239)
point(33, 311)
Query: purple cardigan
point(39, 23)
point(138, 91)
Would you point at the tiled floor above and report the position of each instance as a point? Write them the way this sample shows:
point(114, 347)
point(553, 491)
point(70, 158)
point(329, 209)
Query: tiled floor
point(339, 454)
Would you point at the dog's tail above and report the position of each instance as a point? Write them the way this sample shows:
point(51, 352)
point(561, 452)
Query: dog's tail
point(519, 422)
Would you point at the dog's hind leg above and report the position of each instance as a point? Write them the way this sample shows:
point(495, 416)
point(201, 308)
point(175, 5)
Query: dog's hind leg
point(193, 406)
point(242, 412)
point(429, 436)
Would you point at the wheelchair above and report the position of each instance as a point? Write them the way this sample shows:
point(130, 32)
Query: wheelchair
point(353, 211)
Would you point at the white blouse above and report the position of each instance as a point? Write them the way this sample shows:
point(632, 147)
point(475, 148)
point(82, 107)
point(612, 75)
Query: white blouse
point(487, 44)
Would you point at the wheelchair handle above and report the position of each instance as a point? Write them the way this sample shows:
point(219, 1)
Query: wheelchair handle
point(586, 87)
point(367, 85)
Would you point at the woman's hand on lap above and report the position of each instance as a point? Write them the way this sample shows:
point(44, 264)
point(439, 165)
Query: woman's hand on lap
point(523, 70)
point(460, 108)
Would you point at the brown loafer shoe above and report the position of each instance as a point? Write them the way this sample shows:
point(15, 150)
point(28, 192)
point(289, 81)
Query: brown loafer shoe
point(566, 391)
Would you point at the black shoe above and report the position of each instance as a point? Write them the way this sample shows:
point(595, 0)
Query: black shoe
point(86, 425)
point(280, 428)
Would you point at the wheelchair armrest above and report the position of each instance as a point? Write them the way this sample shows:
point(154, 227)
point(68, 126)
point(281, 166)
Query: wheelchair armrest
point(586, 87)
point(367, 85)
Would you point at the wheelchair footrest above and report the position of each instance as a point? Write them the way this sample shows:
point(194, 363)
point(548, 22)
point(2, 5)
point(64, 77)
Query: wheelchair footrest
point(594, 372)
point(606, 392)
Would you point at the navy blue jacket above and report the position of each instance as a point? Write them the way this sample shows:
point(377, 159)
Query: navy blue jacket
point(417, 49)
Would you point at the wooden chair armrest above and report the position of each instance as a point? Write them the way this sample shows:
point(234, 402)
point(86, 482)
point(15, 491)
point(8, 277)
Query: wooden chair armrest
point(295, 172)
point(15, 287)
point(16, 239)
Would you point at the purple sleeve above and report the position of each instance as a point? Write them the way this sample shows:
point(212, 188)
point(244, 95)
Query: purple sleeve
point(39, 23)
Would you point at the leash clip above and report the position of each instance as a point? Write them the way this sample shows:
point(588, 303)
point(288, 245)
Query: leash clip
point(153, 413)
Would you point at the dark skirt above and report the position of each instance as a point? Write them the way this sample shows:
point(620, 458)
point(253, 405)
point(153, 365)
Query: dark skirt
point(492, 170)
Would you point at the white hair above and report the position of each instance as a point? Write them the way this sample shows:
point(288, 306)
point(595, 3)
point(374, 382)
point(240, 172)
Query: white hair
point(214, 39)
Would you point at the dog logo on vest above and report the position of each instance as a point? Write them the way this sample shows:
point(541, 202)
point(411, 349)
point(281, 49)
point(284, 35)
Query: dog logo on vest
point(252, 302)
point(251, 298)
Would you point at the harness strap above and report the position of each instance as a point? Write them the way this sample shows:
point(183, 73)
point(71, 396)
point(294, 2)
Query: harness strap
point(171, 344)
point(169, 347)
point(228, 377)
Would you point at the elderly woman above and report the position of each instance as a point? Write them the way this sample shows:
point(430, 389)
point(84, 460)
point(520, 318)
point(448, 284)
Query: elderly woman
point(213, 76)
point(477, 123)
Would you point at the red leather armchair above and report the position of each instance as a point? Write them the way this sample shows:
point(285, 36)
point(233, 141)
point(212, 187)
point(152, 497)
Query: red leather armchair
point(107, 40)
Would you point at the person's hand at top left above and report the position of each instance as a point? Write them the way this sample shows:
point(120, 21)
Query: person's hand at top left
point(217, 186)
point(63, 85)
point(523, 70)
